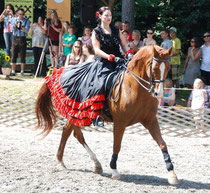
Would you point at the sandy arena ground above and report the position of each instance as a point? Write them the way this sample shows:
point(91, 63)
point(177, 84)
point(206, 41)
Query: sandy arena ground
point(28, 164)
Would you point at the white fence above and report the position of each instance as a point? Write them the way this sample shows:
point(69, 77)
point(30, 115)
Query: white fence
point(174, 121)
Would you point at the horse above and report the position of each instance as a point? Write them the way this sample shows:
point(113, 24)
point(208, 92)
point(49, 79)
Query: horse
point(135, 100)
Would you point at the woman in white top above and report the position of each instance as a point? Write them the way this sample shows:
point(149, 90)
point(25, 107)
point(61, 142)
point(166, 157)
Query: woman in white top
point(87, 53)
point(39, 37)
point(149, 40)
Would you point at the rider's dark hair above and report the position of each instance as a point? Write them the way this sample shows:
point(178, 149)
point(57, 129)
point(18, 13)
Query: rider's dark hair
point(101, 11)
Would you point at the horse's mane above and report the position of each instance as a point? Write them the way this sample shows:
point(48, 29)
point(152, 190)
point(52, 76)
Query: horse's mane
point(144, 52)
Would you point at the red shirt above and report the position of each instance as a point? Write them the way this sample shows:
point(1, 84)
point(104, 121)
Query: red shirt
point(54, 35)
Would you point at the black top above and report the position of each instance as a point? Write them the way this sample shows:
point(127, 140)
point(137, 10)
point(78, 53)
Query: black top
point(110, 43)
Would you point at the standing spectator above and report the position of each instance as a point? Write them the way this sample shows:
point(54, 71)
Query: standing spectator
point(74, 57)
point(63, 31)
point(7, 16)
point(198, 101)
point(166, 44)
point(87, 53)
point(118, 25)
point(20, 25)
point(205, 64)
point(86, 38)
point(53, 27)
point(149, 40)
point(126, 43)
point(126, 26)
point(192, 62)
point(175, 57)
point(68, 40)
point(38, 41)
point(137, 43)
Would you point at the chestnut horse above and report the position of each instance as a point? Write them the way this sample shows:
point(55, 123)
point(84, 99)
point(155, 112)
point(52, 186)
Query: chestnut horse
point(136, 102)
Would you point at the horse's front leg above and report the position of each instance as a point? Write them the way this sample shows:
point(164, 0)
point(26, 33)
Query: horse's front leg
point(118, 135)
point(154, 130)
point(79, 136)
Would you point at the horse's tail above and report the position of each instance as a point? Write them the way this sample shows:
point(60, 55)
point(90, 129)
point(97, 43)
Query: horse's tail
point(45, 112)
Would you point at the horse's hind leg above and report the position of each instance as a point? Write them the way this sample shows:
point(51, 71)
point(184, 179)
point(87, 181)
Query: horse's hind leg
point(67, 129)
point(79, 135)
point(154, 130)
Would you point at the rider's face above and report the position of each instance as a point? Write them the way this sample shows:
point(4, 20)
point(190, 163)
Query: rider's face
point(106, 17)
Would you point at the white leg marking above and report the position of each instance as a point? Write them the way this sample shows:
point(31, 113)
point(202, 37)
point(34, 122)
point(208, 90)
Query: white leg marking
point(115, 174)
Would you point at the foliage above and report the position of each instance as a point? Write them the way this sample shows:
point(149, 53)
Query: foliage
point(4, 59)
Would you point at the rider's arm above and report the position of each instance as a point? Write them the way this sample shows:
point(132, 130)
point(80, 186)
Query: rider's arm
point(97, 47)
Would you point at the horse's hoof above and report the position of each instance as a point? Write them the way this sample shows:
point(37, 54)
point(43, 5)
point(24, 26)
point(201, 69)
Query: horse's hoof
point(98, 170)
point(172, 179)
point(62, 165)
point(115, 175)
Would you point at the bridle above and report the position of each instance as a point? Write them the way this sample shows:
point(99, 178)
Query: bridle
point(151, 81)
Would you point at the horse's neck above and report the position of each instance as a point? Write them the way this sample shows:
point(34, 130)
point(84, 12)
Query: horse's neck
point(140, 70)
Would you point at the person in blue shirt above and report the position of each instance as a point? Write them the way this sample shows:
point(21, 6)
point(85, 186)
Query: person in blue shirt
point(20, 26)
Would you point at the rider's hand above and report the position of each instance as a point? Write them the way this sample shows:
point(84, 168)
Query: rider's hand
point(111, 57)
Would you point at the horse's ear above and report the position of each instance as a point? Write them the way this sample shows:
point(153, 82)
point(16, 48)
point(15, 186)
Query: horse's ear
point(170, 51)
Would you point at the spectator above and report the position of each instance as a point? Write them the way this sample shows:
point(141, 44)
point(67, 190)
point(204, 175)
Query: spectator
point(20, 25)
point(175, 57)
point(86, 38)
point(53, 27)
point(149, 40)
point(68, 40)
point(126, 26)
point(205, 64)
point(118, 25)
point(137, 43)
point(88, 53)
point(192, 62)
point(198, 101)
point(166, 44)
point(63, 31)
point(125, 35)
point(7, 16)
point(38, 41)
point(169, 96)
point(74, 57)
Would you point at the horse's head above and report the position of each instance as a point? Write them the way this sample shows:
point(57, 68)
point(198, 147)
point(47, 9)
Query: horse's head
point(158, 69)
point(153, 66)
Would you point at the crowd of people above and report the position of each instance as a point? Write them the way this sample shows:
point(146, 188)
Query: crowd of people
point(67, 49)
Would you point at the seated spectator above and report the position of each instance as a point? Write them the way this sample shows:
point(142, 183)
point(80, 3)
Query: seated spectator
point(86, 38)
point(74, 57)
point(149, 40)
point(192, 62)
point(38, 40)
point(169, 96)
point(88, 53)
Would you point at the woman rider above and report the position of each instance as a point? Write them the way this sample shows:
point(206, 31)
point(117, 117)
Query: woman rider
point(79, 91)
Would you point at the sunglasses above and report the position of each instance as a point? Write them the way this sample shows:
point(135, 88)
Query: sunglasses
point(76, 46)
point(149, 33)
point(192, 41)
point(21, 14)
point(207, 36)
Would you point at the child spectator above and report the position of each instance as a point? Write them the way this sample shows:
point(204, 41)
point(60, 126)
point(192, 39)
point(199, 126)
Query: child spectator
point(74, 57)
point(198, 101)
point(86, 38)
point(169, 94)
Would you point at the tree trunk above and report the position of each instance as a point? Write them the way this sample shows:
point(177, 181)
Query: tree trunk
point(128, 12)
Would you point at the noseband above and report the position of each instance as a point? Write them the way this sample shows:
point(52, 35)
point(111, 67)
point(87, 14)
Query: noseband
point(151, 81)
